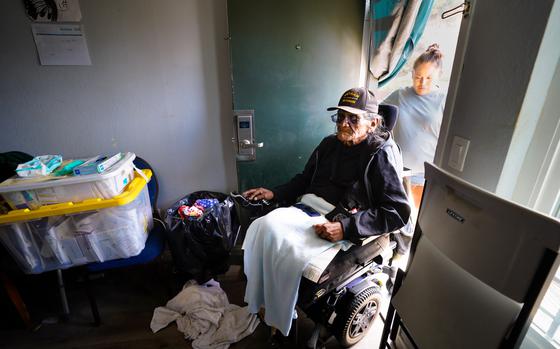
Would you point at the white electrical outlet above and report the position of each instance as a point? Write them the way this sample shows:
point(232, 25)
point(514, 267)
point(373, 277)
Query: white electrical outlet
point(458, 154)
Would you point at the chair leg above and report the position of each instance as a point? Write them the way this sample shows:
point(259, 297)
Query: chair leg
point(313, 341)
point(63, 298)
point(294, 333)
point(92, 301)
point(16, 299)
point(387, 327)
point(163, 277)
point(392, 320)
point(395, 327)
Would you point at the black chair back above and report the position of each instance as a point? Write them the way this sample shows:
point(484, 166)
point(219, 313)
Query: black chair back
point(153, 185)
point(390, 114)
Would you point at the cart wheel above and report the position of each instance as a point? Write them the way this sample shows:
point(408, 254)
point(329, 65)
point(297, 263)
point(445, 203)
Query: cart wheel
point(353, 322)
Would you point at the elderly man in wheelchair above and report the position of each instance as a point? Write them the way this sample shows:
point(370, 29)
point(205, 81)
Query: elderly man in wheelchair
point(350, 190)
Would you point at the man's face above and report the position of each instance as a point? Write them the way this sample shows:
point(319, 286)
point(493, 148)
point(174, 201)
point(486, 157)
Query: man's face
point(423, 78)
point(351, 128)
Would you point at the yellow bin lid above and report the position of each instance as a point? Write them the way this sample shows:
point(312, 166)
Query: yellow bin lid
point(128, 195)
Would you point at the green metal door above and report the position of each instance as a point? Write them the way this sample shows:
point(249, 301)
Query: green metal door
point(290, 61)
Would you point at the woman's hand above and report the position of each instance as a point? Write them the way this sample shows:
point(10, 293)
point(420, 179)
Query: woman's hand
point(331, 231)
point(259, 194)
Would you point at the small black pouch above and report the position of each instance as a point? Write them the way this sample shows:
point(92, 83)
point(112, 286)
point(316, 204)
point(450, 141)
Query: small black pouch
point(310, 211)
point(338, 214)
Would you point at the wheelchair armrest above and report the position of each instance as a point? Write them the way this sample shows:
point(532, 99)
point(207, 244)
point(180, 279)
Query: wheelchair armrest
point(365, 241)
point(369, 239)
point(388, 252)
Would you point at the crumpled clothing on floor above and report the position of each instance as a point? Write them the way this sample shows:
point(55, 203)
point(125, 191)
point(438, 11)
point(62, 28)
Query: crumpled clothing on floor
point(204, 314)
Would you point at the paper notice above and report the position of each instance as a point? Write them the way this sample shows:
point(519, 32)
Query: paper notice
point(61, 44)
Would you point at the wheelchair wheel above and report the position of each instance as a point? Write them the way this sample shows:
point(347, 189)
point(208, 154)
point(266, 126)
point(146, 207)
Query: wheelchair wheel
point(354, 321)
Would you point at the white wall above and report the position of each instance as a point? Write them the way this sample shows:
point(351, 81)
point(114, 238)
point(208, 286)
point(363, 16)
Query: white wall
point(500, 40)
point(536, 135)
point(159, 86)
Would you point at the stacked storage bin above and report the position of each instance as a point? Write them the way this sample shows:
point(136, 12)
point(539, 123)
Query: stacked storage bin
point(25, 193)
point(84, 230)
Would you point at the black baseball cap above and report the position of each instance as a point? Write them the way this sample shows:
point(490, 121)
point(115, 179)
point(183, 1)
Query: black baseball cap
point(357, 100)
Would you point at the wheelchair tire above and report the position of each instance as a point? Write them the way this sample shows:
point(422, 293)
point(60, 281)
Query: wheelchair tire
point(353, 322)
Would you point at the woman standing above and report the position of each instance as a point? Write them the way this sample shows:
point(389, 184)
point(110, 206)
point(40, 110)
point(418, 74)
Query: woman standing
point(420, 113)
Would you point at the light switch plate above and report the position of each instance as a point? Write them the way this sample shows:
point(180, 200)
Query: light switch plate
point(458, 154)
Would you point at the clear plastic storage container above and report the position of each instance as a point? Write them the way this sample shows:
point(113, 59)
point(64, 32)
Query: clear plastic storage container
point(69, 234)
point(25, 193)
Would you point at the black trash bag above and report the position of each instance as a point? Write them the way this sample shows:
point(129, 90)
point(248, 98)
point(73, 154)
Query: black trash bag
point(9, 162)
point(201, 248)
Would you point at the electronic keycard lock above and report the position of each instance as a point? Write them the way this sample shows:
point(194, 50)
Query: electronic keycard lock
point(244, 137)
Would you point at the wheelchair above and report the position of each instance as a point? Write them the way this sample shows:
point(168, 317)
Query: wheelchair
point(343, 299)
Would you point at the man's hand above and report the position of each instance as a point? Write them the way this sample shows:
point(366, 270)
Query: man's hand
point(258, 194)
point(331, 231)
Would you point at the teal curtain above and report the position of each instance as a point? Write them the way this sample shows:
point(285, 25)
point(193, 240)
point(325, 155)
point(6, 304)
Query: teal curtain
point(397, 27)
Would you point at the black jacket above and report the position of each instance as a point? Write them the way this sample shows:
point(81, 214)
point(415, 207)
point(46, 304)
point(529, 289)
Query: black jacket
point(367, 177)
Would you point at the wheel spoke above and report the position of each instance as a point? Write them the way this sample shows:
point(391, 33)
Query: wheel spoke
point(370, 310)
point(365, 326)
point(360, 323)
point(357, 320)
point(356, 331)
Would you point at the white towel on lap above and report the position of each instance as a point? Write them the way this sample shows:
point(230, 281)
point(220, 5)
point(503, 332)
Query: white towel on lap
point(277, 248)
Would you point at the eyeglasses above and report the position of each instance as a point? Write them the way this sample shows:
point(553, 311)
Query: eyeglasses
point(352, 119)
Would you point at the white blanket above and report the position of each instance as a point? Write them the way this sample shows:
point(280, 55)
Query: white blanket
point(277, 248)
point(203, 314)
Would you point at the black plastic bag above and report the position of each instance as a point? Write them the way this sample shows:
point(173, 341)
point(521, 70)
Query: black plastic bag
point(201, 248)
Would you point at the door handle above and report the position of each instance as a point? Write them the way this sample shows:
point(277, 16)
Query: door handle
point(247, 144)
